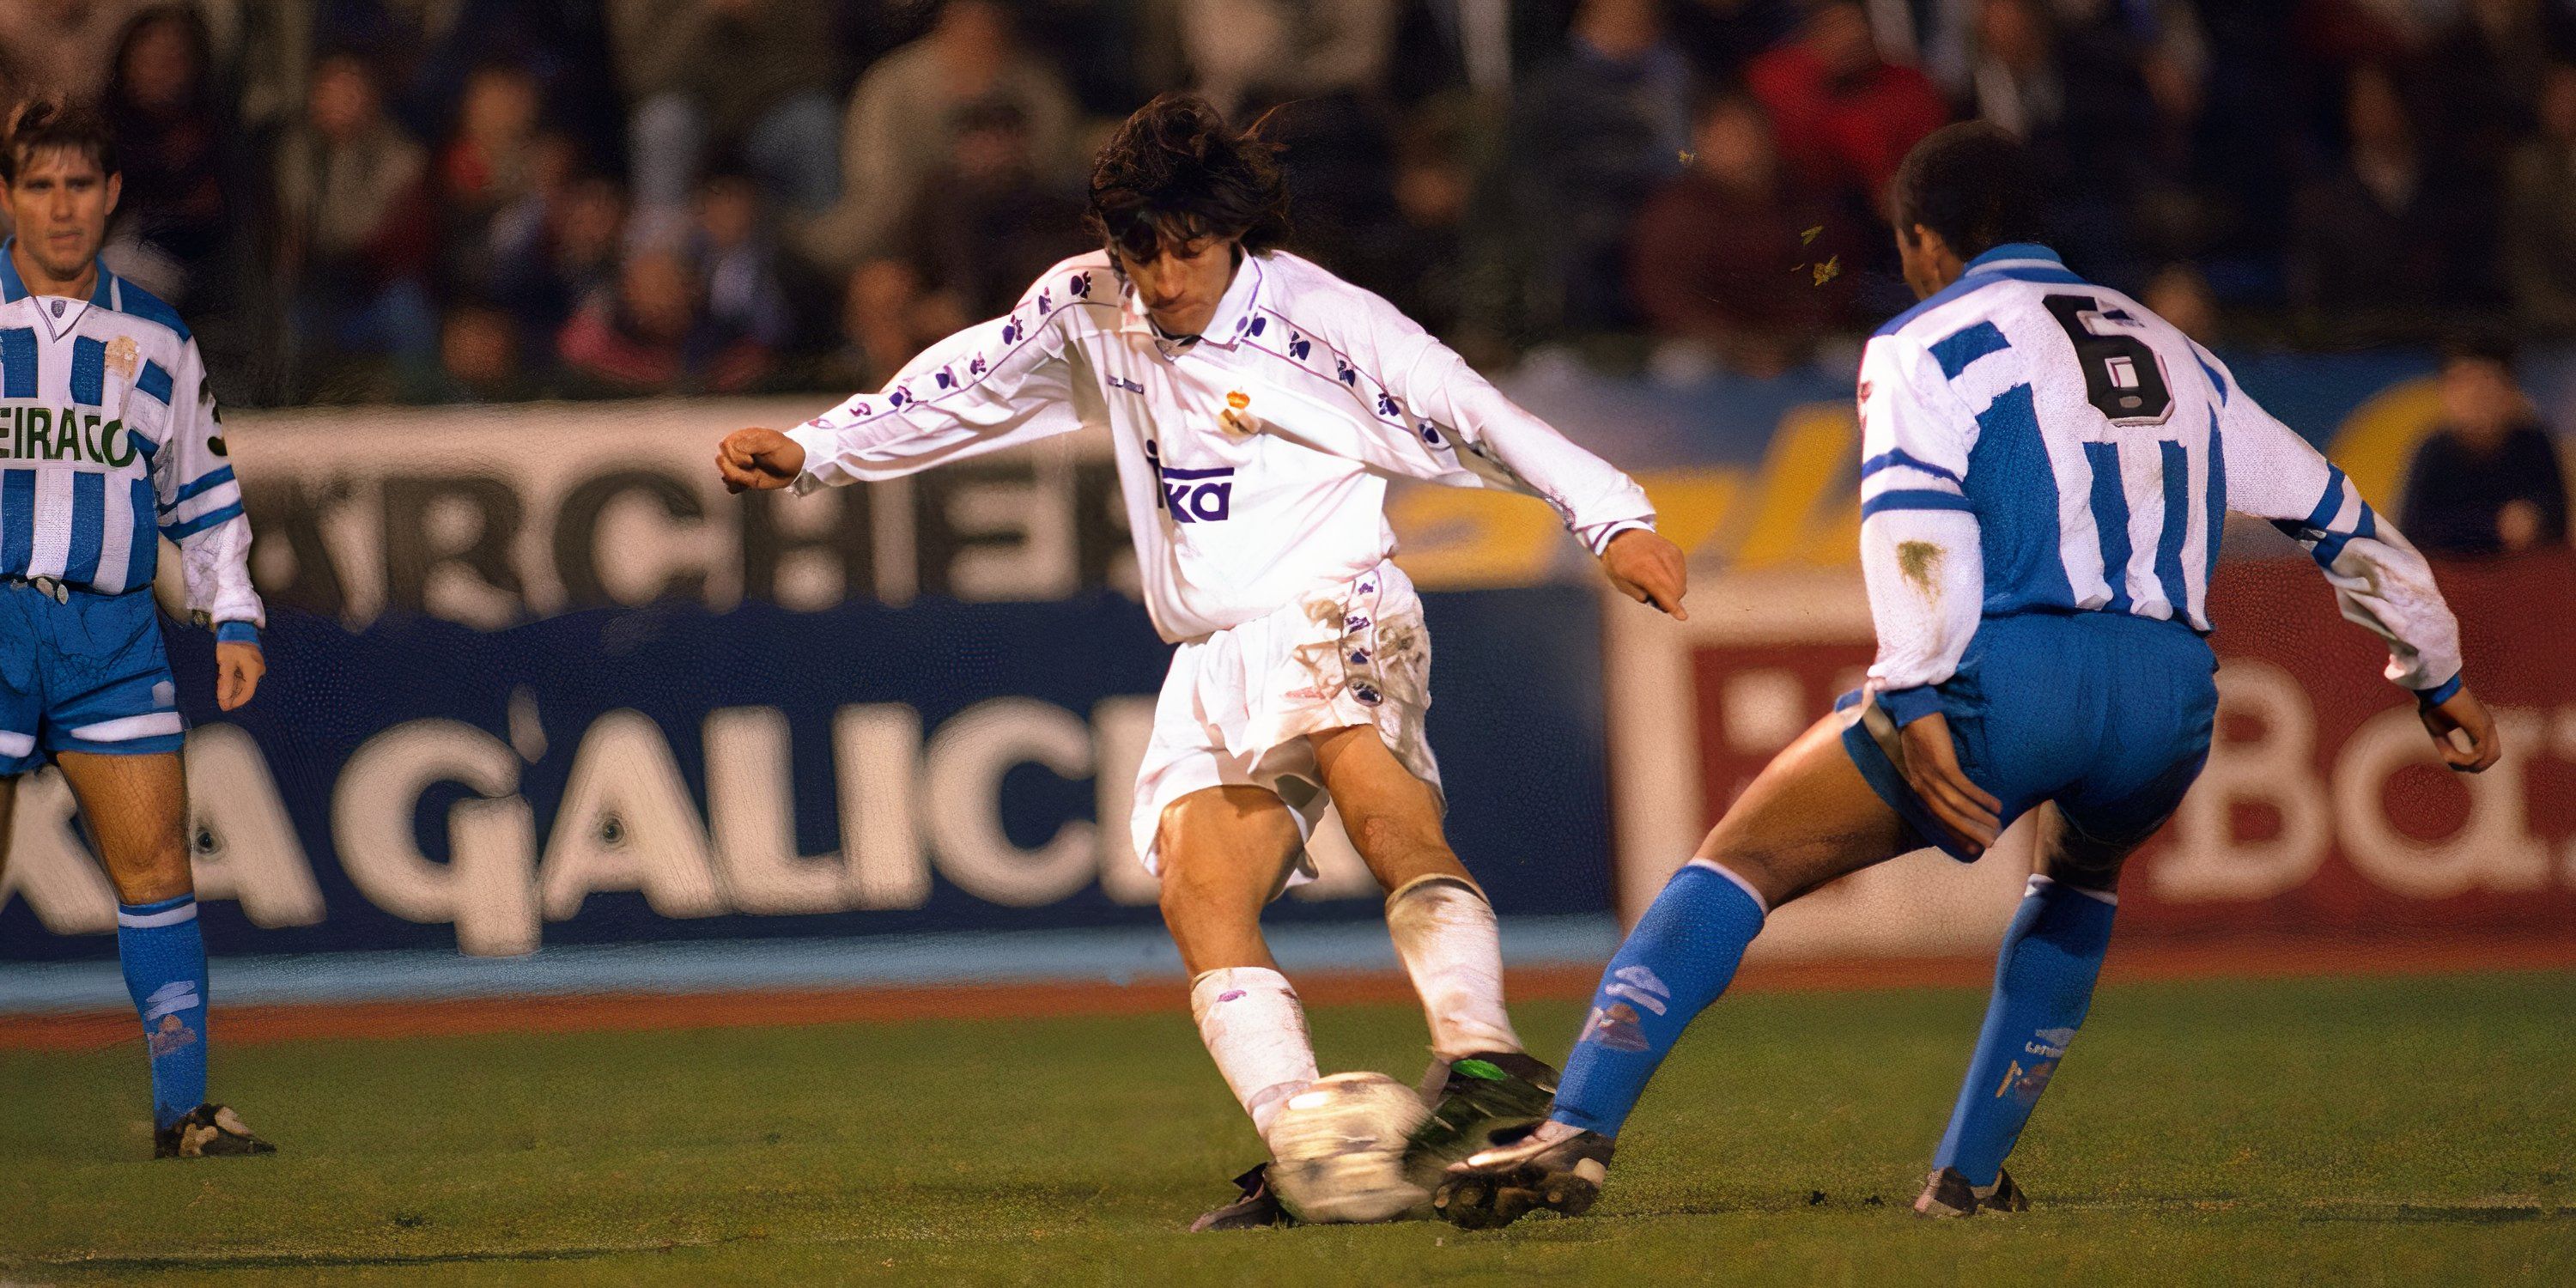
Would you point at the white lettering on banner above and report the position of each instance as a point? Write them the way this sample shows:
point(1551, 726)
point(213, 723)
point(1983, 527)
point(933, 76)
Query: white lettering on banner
point(752, 814)
point(627, 822)
point(488, 889)
point(622, 509)
point(961, 779)
point(2493, 850)
point(876, 750)
point(1672, 760)
point(242, 846)
point(49, 867)
point(493, 844)
point(1021, 533)
point(2277, 770)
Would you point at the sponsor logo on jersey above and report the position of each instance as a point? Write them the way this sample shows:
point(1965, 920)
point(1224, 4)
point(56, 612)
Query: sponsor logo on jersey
point(1193, 495)
point(34, 432)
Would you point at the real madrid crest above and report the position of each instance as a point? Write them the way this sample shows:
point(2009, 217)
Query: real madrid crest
point(1237, 417)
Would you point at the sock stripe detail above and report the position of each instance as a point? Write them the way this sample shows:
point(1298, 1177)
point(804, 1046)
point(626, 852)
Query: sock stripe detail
point(1432, 879)
point(1740, 883)
point(169, 913)
point(2040, 883)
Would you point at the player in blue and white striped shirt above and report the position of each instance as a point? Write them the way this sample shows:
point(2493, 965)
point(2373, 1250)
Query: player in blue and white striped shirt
point(2046, 473)
point(109, 443)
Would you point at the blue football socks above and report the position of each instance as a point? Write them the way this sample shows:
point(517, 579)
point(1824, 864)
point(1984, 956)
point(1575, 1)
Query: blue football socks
point(1678, 959)
point(165, 974)
point(2043, 986)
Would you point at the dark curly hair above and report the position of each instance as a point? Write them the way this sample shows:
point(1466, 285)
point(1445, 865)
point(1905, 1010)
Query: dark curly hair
point(1176, 172)
point(41, 123)
point(1971, 183)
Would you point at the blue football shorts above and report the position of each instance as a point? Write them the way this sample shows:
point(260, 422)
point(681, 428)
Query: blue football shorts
point(2107, 714)
point(83, 674)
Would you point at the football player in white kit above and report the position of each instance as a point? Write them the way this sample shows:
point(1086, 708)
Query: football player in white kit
point(1258, 406)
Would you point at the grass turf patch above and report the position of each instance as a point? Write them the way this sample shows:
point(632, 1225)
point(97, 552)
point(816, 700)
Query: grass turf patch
point(2380, 1131)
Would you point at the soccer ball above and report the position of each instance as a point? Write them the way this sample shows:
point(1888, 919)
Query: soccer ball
point(1337, 1150)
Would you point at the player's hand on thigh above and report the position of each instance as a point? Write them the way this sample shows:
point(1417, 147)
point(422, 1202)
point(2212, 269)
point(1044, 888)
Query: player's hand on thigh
point(2463, 732)
point(758, 460)
point(1970, 813)
point(1647, 568)
point(238, 667)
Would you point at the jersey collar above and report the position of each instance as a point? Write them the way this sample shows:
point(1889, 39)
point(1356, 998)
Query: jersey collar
point(13, 288)
point(1234, 310)
point(2016, 255)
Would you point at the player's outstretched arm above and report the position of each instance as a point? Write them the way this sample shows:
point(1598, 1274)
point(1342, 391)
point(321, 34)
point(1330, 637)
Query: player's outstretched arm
point(2380, 580)
point(1649, 569)
point(758, 460)
point(2462, 731)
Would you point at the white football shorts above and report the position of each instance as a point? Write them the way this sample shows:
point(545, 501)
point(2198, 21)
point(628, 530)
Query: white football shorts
point(1238, 704)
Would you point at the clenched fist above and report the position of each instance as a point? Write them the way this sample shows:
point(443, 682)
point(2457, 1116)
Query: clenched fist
point(758, 460)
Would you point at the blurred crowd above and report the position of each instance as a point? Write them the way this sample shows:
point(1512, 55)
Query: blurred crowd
point(476, 200)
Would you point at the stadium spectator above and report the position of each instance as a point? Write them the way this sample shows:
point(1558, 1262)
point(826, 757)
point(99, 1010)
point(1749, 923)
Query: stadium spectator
point(2179, 293)
point(544, 252)
point(651, 334)
point(2102, 107)
point(1716, 256)
point(1844, 115)
point(480, 356)
point(60, 48)
point(903, 119)
point(984, 226)
point(1591, 135)
point(1432, 187)
point(489, 165)
point(181, 200)
point(2375, 251)
point(752, 78)
point(2489, 479)
point(355, 235)
point(426, 51)
point(2537, 256)
point(1274, 50)
point(2484, 74)
point(736, 259)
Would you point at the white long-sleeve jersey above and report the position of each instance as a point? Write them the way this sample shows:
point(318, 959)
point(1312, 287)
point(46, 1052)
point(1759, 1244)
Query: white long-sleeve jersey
point(1253, 459)
point(108, 442)
point(2032, 442)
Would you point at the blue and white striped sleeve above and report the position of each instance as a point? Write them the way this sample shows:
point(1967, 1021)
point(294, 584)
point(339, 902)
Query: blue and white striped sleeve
point(2379, 579)
point(199, 499)
point(1920, 548)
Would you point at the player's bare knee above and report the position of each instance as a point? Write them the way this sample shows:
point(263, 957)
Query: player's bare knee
point(152, 874)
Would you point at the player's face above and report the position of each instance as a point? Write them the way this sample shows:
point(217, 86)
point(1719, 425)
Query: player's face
point(1181, 285)
point(60, 204)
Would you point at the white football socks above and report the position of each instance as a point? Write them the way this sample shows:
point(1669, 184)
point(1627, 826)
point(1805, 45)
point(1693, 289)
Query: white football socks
point(1445, 935)
point(1252, 1023)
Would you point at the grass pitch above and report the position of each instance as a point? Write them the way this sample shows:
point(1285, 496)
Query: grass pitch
point(2345, 1132)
